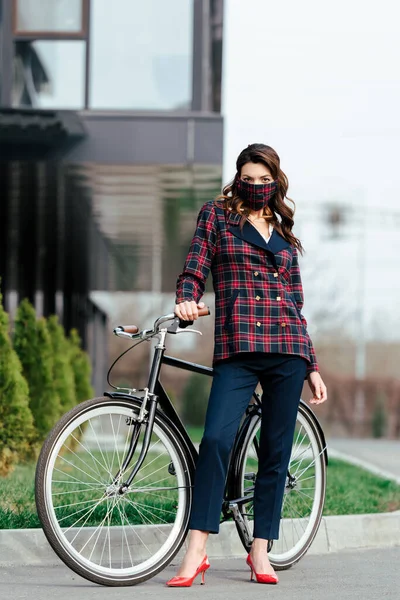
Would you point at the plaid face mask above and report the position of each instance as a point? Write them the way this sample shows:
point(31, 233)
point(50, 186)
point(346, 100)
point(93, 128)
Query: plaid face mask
point(256, 195)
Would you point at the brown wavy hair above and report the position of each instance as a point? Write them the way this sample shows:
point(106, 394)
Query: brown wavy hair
point(278, 213)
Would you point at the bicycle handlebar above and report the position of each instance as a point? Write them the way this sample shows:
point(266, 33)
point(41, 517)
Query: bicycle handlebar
point(128, 328)
point(130, 331)
point(204, 312)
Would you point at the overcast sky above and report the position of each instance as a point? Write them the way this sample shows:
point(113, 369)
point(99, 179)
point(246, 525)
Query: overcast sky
point(320, 83)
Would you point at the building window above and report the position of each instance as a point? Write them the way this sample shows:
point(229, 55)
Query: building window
point(141, 55)
point(50, 17)
point(49, 74)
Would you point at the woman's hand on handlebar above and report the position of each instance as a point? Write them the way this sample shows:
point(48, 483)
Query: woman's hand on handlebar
point(188, 311)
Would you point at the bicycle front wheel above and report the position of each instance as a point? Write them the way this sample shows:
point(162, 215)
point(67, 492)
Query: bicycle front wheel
point(108, 537)
point(305, 487)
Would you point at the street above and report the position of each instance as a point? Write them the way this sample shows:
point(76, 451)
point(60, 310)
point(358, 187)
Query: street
point(366, 574)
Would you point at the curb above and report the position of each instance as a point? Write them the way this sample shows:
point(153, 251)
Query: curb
point(336, 533)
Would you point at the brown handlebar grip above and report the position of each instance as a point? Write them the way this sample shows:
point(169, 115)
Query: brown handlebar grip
point(129, 328)
point(204, 312)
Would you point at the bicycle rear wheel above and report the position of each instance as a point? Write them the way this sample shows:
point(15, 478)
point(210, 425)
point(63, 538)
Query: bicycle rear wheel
point(305, 487)
point(106, 537)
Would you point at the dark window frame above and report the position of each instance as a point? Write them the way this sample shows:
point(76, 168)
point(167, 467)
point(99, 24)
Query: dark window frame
point(83, 35)
point(52, 35)
point(202, 86)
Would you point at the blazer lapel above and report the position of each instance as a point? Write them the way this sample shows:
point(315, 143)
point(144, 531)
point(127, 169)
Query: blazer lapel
point(277, 242)
point(251, 235)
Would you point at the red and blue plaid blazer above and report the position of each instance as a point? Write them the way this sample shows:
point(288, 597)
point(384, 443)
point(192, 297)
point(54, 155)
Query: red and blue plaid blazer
point(258, 289)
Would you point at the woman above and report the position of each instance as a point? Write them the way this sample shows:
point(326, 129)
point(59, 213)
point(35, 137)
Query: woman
point(245, 238)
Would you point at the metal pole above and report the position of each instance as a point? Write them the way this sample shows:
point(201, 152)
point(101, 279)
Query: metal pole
point(360, 347)
point(6, 53)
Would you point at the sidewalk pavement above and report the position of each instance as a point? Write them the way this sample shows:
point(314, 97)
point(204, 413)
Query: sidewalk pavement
point(379, 456)
point(366, 574)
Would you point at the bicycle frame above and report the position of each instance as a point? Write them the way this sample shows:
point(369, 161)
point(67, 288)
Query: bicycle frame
point(157, 396)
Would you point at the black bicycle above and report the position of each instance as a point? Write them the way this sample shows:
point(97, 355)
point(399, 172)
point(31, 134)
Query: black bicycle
point(114, 478)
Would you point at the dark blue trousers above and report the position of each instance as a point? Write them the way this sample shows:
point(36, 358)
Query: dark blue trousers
point(235, 379)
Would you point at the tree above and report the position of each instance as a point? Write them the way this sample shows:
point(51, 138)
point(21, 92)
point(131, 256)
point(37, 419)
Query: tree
point(16, 422)
point(63, 374)
point(81, 367)
point(33, 345)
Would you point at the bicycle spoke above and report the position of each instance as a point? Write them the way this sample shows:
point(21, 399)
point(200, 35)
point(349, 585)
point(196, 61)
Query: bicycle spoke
point(146, 490)
point(79, 469)
point(98, 527)
point(126, 538)
point(91, 455)
point(115, 451)
point(93, 486)
point(73, 504)
point(299, 491)
point(97, 539)
point(144, 508)
point(145, 518)
point(299, 445)
point(108, 532)
point(153, 473)
point(295, 460)
point(82, 461)
point(296, 523)
point(310, 465)
point(135, 532)
point(77, 513)
point(72, 492)
point(297, 438)
point(98, 445)
point(306, 478)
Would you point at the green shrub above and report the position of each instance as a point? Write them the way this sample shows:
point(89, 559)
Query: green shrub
point(16, 423)
point(81, 367)
point(379, 416)
point(195, 399)
point(63, 374)
point(33, 345)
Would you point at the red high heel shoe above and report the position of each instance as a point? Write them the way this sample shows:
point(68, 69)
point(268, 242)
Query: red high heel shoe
point(187, 581)
point(260, 577)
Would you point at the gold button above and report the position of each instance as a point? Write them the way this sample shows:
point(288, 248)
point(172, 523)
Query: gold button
point(258, 324)
point(283, 324)
point(275, 274)
point(278, 298)
point(255, 273)
point(258, 298)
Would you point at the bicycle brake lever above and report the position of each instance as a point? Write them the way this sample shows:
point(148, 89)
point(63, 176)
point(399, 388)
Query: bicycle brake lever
point(189, 330)
point(178, 326)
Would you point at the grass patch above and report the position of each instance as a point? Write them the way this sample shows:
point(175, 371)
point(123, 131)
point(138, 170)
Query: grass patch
point(350, 490)
point(195, 433)
point(17, 499)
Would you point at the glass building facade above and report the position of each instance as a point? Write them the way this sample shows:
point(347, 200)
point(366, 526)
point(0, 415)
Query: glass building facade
point(110, 141)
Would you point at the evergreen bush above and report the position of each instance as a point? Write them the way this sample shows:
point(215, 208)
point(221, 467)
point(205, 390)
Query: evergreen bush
point(16, 422)
point(81, 367)
point(33, 345)
point(63, 374)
